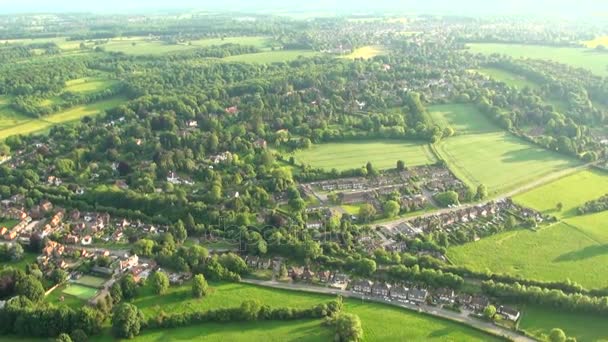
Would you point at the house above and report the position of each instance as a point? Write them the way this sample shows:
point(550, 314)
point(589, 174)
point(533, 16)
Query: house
point(252, 261)
point(314, 224)
point(362, 286)
point(479, 303)
point(46, 206)
point(87, 240)
point(295, 272)
point(192, 123)
point(324, 276)
point(307, 274)
point(508, 313)
point(399, 292)
point(231, 110)
point(417, 295)
point(265, 264)
point(381, 289)
point(445, 295)
point(129, 263)
point(75, 215)
point(339, 280)
point(464, 299)
point(260, 143)
point(71, 239)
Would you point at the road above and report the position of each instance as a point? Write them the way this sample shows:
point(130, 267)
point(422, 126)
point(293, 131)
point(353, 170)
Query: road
point(433, 311)
point(528, 186)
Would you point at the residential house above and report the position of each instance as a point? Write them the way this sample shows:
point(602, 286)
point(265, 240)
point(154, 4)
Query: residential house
point(129, 263)
point(252, 261)
point(399, 292)
point(87, 240)
point(324, 276)
point(417, 295)
point(362, 286)
point(295, 272)
point(231, 110)
point(381, 289)
point(308, 275)
point(478, 303)
point(508, 313)
point(314, 224)
point(265, 264)
point(445, 295)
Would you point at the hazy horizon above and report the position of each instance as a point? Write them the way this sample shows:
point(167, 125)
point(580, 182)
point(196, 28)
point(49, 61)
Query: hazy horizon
point(471, 7)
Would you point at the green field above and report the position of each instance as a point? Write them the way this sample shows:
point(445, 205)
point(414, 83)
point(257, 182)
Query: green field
point(576, 57)
point(554, 253)
point(511, 79)
point(89, 85)
point(9, 117)
point(572, 191)
point(145, 46)
point(28, 258)
point(35, 125)
point(585, 327)
point(463, 118)
point(380, 322)
point(79, 291)
point(383, 154)
point(90, 281)
point(367, 52)
point(271, 56)
point(69, 300)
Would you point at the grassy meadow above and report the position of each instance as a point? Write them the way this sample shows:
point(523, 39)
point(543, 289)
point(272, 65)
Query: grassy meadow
point(9, 117)
point(383, 154)
point(366, 52)
point(463, 118)
point(585, 327)
point(576, 57)
point(271, 56)
point(89, 85)
point(509, 78)
point(145, 46)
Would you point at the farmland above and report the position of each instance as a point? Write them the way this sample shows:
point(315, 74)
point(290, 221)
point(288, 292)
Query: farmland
point(28, 125)
point(576, 57)
point(271, 56)
point(585, 327)
point(383, 154)
point(367, 52)
point(554, 253)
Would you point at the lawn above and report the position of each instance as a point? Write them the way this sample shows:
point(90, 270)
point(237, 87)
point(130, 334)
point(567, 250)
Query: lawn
point(8, 223)
point(383, 154)
point(79, 291)
point(351, 209)
point(367, 52)
point(271, 56)
point(69, 300)
point(90, 281)
point(463, 118)
point(511, 79)
point(585, 327)
point(499, 160)
point(145, 46)
point(554, 253)
point(89, 85)
point(576, 57)
point(572, 191)
point(71, 114)
point(28, 258)
point(9, 117)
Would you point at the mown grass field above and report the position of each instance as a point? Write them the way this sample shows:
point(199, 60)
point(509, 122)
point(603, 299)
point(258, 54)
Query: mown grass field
point(572, 191)
point(383, 154)
point(79, 291)
point(585, 327)
point(576, 57)
point(271, 56)
point(90, 281)
point(30, 125)
point(367, 52)
point(9, 117)
point(57, 295)
point(554, 253)
point(144, 46)
point(380, 322)
point(89, 85)
point(511, 79)
point(463, 118)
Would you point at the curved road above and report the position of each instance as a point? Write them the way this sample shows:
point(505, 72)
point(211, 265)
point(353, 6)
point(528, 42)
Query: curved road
point(434, 311)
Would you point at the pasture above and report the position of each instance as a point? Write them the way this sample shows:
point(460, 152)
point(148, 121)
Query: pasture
point(146, 46)
point(383, 154)
point(79, 291)
point(271, 56)
point(509, 78)
point(499, 160)
point(554, 253)
point(463, 118)
point(572, 191)
point(588, 59)
point(9, 117)
point(380, 322)
point(585, 327)
point(29, 125)
point(366, 52)
point(89, 85)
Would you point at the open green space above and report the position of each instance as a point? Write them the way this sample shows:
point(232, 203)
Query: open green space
point(147, 46)
point(553, 253)
point(89, 85)
point(585, 327)
point(71, 114)
point(28, 258)
point(383, 154)
point(90, 281)
point(58, 297)
point(571, 191)
point(79, 291)
point(499, 160)
point(8, 223)
point(589, 59)
point(380, 322)
point(463, 118)
point(367, 52)
point(511, 79)
point(271, 56)
point(9, 117)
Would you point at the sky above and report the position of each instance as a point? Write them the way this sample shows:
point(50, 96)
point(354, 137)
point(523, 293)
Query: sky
point(537, 7)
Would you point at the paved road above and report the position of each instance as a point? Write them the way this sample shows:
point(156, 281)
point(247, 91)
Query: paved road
point(529, 186)
point(434, 311)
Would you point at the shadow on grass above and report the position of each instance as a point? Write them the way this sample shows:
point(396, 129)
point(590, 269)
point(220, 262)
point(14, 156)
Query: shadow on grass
point(582, 254)
point(441, 333)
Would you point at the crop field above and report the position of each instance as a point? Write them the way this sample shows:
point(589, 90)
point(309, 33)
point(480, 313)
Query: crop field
point(572, 191)
point(28, 125)
point(588, 59)
point(585, 327)
point(499, 160)
point(463, 118)
point(90, 281)
point(89, 85)
point(271, 56)
point(366, 52)
point(511, 79)
point(383, 154)
point(380, 322)
point(554, 253)
point(79, 291)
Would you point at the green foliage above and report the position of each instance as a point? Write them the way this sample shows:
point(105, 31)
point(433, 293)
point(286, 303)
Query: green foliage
point(127, 321)
point(447, 198)
point(489, 311)
point(199, 286)
point(31, 288)
point(160, 282)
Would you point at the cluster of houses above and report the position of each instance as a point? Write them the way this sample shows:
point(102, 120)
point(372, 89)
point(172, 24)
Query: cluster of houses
point(333, 279)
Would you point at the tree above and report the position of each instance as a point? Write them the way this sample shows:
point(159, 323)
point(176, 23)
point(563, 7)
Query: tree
point(179, 231)
point(79, 335)
point(63, 338)
point(400, 165)
point(129, 287)
point(116, 293)
point(366, 212)
point(365, 267)
point(283, 271)
point(30, 287)
point(127, 321)
point(199, 286)
point(371, 171)
point(559, 206)
point(391, 208)
point(348, 328)
point(144, 247)
point(489, 311)
point(557, 335)
point(160, 282)
point(447, 198)
point(482, 192)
